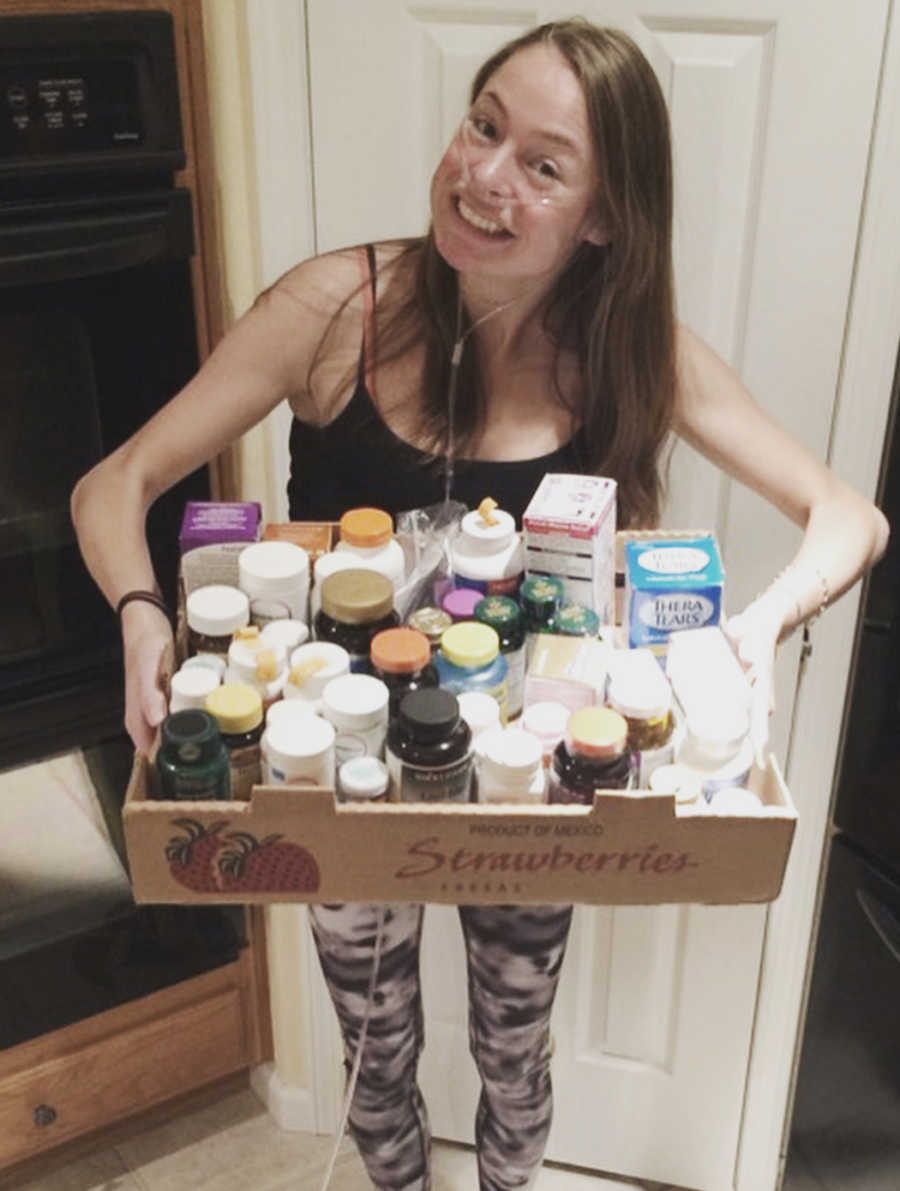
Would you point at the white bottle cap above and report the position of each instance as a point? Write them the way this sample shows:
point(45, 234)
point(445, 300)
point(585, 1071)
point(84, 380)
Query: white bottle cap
point(480, 538)
point(312, 666)
point(312, 736)
point(273, 564)
point(362, 778)
point(480, 711)
point(637, 686)
point(684, 783)
point(286, 633)
point(547, 721)
point(290, 711)
point(189, 687)
point(244, 660)
point(510, 753)
point(217, 610)
point(211, 661)
point(716, 730)
point(355, 702)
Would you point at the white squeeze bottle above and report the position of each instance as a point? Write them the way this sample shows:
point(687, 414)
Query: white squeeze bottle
point(487, 553)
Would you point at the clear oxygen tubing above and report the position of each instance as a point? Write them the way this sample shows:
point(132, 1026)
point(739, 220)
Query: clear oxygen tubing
point(357, 1058)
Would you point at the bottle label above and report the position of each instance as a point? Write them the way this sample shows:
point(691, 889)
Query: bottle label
point(508, 586)
point(515, 680)
point(246, 771)
point(438, 783)
point(186, 788)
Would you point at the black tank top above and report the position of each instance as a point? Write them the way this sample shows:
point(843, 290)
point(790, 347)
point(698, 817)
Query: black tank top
point(357, 460)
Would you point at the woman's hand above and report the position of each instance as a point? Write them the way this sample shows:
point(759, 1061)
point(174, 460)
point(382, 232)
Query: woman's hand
point(147, 640)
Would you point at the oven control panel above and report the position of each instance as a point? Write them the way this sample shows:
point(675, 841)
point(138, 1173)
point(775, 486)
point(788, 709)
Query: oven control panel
point(58, 107)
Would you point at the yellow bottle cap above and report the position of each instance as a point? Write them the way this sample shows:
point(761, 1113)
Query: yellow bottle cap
point(366, 527)
point(236, 706)
point(597, 732)
point(470, 644)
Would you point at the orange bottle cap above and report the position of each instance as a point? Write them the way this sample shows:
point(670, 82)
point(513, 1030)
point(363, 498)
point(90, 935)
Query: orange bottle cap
point(597, 732)
point(400, 651)
point(366, 527)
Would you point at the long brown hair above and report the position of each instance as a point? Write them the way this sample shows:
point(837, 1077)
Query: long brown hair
point(612, 306)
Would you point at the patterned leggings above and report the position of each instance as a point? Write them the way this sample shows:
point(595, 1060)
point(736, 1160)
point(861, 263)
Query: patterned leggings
point(514, 956)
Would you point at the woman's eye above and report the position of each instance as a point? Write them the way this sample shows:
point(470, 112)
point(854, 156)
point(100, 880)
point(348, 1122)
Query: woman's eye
point(484, 127)
point(547, 170)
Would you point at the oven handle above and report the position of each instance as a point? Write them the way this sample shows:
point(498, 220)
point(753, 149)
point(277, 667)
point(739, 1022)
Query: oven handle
point(103, 242)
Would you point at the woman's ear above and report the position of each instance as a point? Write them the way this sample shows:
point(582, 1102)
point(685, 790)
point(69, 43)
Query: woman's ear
point(597, 234)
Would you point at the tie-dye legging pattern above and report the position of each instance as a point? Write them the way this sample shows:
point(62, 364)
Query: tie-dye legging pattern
point(514, 955)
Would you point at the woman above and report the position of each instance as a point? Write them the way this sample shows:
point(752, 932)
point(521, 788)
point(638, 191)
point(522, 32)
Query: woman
point(543, 294)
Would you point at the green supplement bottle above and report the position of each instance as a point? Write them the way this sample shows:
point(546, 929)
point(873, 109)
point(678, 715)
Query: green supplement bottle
point(505, 616)
point(192, 762)
point(575, 620)
point(541, 597)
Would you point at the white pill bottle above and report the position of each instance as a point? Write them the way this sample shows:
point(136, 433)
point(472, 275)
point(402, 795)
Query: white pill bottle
point(368, 534)
point(487, 553)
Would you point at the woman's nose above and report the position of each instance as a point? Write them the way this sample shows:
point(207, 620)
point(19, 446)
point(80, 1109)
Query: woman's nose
point(492, 171)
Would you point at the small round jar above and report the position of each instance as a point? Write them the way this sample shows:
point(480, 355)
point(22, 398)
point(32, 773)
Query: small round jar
point(487, 554)
point(429, 749)
point(510, 767)
point(357, 706)
point(432, 622)
point(469, 659)
point(363, 779)
point(541, 597)
point(299, 753)
point(292, 712)
point(594, 755)
point(192, 760)
point(401, 658)
point(189, 687)
point(717, 746)
point(547, 720)
point(312, 666)
point(263, 668)
point(505, 617)
point(368, 534)
point(213, 613)
point(480, 711)
point(682, 783)
point(356, 604)
point(278, 571)
point(575, 620)
point(286, 634)
point(211, 661)
point(238, 710)
point(460, 602)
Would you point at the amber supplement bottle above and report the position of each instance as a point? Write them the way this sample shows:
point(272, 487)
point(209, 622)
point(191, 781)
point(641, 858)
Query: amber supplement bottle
point(401, 658)
point(429, 749)
point(356, 605)
point(238, 709)
point(192, 761)
point(593, 755)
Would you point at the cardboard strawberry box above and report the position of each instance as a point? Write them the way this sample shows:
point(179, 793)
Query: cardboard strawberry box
point(299, 844)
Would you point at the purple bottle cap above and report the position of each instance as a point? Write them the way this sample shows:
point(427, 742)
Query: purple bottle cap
point(460, 602)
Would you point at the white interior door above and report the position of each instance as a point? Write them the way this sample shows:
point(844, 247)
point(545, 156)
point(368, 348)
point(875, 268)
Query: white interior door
point(772, 104)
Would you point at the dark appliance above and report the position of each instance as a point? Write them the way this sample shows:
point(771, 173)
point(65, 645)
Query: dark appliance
point(845, 1132)
point(97, 331)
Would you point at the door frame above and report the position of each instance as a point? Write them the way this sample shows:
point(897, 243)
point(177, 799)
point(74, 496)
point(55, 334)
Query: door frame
point(283, 184)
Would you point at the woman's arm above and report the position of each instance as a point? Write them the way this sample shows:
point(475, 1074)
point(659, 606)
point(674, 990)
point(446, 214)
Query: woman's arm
point(844, 533)
point(264, 358)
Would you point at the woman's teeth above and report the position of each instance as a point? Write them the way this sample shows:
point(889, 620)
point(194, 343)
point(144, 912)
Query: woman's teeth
point(476, 220)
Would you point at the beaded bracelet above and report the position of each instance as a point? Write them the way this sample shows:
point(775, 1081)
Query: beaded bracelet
point(148, 597)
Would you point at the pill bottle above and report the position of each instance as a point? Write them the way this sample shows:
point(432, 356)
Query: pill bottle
point(192, 760)
point(638, 690)
point(213, 613)
point(263, 668)
point(363, 779)
point(717, 745)
point(487, 553)
point(325, 565)
point(469, 659)
point(575, 620)
point(357, 706)
point(356, 604)
point(510, 767)
point(238, 710)
point(189, 687)
point(504, 615)
point(368, 535)
point(310, 669)
point(210, 661)
point(287, 633)
point(547, 720)
point(292, 712)
point(429, 749)
point(299, 753)
point(432, 622)
point(593, 755)
point(480, 711)
point(276, 571)
point(540, 596)
point(401, 658)
point(460, 602)
point(684, 784)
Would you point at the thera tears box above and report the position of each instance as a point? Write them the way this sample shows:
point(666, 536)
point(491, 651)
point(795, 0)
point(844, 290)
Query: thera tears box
point(297, 844)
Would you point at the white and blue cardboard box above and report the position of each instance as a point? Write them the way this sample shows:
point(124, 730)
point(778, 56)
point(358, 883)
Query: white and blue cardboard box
point(671, 585)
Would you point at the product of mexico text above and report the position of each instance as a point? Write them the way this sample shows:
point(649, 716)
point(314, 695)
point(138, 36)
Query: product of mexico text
point(670, 586)
point(570, 532)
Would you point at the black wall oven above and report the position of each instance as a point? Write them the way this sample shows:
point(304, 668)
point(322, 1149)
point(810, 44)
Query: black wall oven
point(96, 333)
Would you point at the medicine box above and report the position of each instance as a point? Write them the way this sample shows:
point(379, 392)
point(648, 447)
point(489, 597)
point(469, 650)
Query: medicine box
point(209, 522)
point(669, 586)
point(569, 530)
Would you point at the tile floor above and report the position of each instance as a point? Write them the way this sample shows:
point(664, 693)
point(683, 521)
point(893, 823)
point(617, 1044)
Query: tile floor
point(225, 1141)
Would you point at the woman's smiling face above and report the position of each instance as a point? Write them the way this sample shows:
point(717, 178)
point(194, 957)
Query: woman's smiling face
point(514, 195)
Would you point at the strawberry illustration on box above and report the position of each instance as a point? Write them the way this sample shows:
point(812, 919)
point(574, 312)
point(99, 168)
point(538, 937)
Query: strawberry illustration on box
point(209, 860)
